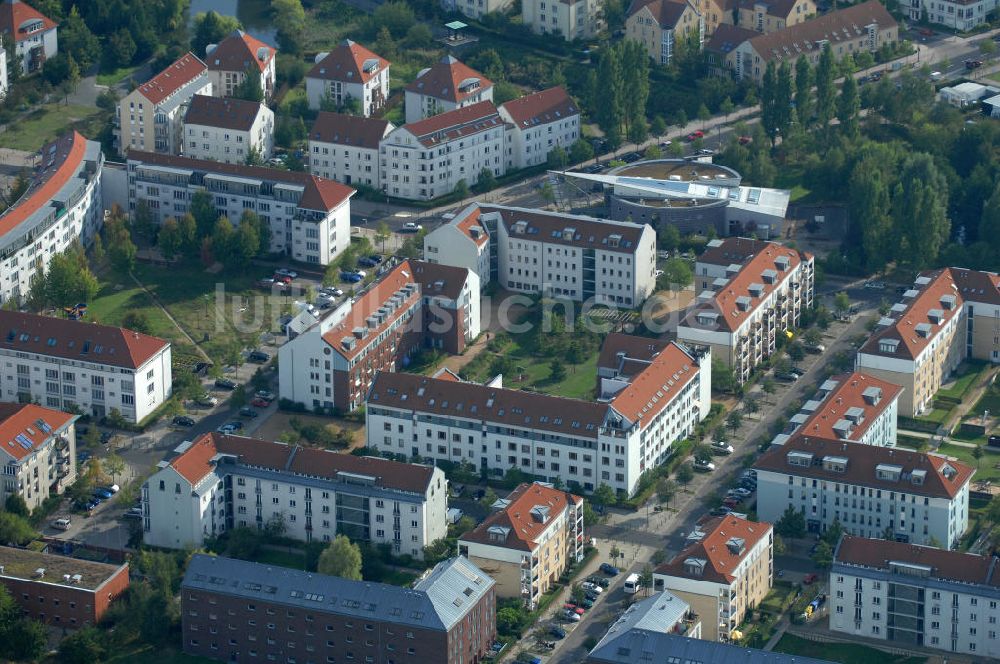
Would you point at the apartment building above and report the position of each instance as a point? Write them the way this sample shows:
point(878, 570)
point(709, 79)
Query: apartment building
point(540, 122)
point(309, 217)
point(960, 15)
point(414, 305)
point(949, 315)
point(350, 78)
point(237, 56)
point(860, 28)
point(428, 158)
point(661, 614)
point(151, 117)
point(233, 610)
point(916, 596)
point(636, 645)
point(872, 491)
point(218, 482)
point(345, 148)
point(447, 86)
point(476, 9)
point(533, 535)
point(724, 572)
point(569, 19)
point(39, 458)
point(63, 592)
point(854, 407)
point(628, 429)
point(228, 130)
point(550, 253)
point(750, 292)
point(769, 16)
point(69, 365)
point(660, 24)
point(35, 36)
point(62, 205)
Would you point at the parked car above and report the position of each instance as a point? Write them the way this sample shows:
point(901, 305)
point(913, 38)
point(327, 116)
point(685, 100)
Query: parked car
point(411, 227)
point(695, 135)
point(282, 279)
point(257, 402)
point(666, 144)
point(609, 569)
point(258, 357)
point(720, 511)
point(798, 372)
point(704, 466)
point(285, 272)
point(350, 277)
point(369, 261)
point(183, 421)
point(225, 384)
point(267, 395)
point(730, 502)
point(786, 376)
point(587, 603)
point(82, 456)
point(591, 595)
point(706, 152)
point(742, 492)
point(62, 524)
point(133, 513)
point(102, 493)
point(557, 632)
point(722, 447)
point(973, 64)
point(586, 585)
point(809, 579)
point(631, 157)
point(246, 411)
point(746, 140)
point(230, 427)
point(569, 616)
point(815, 349)
point(207, 400)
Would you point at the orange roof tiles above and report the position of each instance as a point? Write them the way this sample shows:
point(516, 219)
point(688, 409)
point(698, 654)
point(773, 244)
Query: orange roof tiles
point(652, 390)
point(195, 462)
point(525, 524)
point(849, 393)
point(185, 69)
point(445, 78)
point(20, 422)
point(344, 129)
point(720, 561)
point(470, 221)
point(14, 14)
point(950, 565)
point(238, 52)
point(454, 124)
point(541, 107)
point(346, 63)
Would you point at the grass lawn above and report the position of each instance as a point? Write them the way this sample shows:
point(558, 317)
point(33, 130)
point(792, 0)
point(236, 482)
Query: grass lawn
point(115, 77)
point(937, 416)
point(962, 383)
point(780, 597)
point(293, 559)
point(986, 468)
point(798, 193)
point(849, 653)
point(989, 401)
point(43, 125)
point(578, 383)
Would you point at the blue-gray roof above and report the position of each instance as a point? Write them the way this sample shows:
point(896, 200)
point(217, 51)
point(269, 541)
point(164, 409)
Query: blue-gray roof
point(658, 613)
point(638, 646)
point(437, 601)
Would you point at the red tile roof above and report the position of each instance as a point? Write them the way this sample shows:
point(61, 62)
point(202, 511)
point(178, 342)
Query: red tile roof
point(634, 347)
point(194, 463)
point(550, 227)
point(346, 63)
point(458, 123)
point(77, 340)
point(950, 565)
point(445, 79)
point(665, 12)
point(652, 390)
point(849, 393)
point(727, 37)
point(14, 15)
point(468, 219)
point(944, 477)
point(224, 113)
point(352, 130)
point(66, 156)
point(730, 250)
point(542, 107)
point(438, 280)
point(184, 70)
point(523, 522)
point(324, 195)
point(238, 52)
point(776, 8)
point(21, 422)
point(720, 560)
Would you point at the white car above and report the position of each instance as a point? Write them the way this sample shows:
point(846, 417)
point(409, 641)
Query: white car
point(706, 466)
point(593, 587)
point(411, 227)
point(285, 272)
point(722, 447)
point(657, 274)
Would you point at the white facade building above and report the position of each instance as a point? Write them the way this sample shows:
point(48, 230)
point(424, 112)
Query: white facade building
point(217, 483)
point(570, 19)
point(447, 86)
point(476, 8)
point(63, 205)
point(540, 122)
point(349, 75)
point(69, 365)
point(234, 57)
point(872, 491)
point(958, 14)
point(227, 130)
point(39, 455)
point(426, 159)
point(309, 217)
point(34, 34)
point(916, 596)
point(345, 148)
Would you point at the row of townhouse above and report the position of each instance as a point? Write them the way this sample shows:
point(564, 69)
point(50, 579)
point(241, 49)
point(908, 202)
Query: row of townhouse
point(62, 206)
point(948, 316)
point(233, 131)
point(308, 216)
point(216, 483)
point(71, 366)
point(331, 361)
point(234, 610)
point(38, 453)
point(626, 431)
point(548, 253)
point(750, 291)
point(871, 491)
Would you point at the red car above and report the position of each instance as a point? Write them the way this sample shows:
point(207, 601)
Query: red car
point(810, 579)
point(745, 140)
point(694, 135)
point(282, 279)
point(260, 403)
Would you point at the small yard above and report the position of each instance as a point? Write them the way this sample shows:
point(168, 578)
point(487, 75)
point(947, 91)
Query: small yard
point(116, 76)
point(986, 467)
point(989, 401)
point(535, 373)
point(780, 598)
point(965, 376)
point(848, 653)
point(42, 125)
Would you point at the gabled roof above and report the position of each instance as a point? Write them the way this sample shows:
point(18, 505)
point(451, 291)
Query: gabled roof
point(551, 227)
point(729, 250)
point(439, 280)
point(224, 113)
point(77, 340)
point(847, 392)
point(727, 37)
point(467, 220)
point(530, 511)
point(666, 13)
point(634, 347)
point(551, 105)
point(22, 20)
point(449, 80)
point(641, 645)
point(239, 52)
point(717, 551)
point(458, 123)
point(351, 130)
point(777, 8)
point(941, 563)
point(24, 428)
point(349, 62)
point(183, 70)
point(654, 388)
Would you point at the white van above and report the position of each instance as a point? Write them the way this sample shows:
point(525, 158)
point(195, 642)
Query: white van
point(631, 584)
point(62, 524)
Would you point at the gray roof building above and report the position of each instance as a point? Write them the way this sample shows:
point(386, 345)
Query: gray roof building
point(644, 645)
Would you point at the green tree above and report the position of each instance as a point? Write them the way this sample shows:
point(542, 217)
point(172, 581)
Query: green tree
point(557, 370)
point(823, 555)
point(668, 237)
point(989, 221)
point(486, 180)
point(723, 378)
point(557, 158)
point(84, 646)
point(666, 489)
point(833, 533)
point(763, 172)
point(677, 271)
point(419, 36)
point(685, 473)
point(114, 465)
point(25, 640)
point(796, 352)
point(604, 495)
point(169, 240)
point(250, 87)
point(15, 529)
point(290, 22)
point(69, 280)
point(610, 109)
point(396, 16)
point(791, 524)
point(634, 65)
point(120, 50)
point(461, 189)
point(76, 39)
point(121, 249)
point(580, 151)
point(658, 127)
point(841, 303)
point(204, 213)
point(341, 558)
point(704, 115)
point(977, 454)
point(804, 81)
point(825, 88)
point(187, 227)
point(143, 223)
point(920, 211)
point(646, 578)
point(734, 420)
point(211, 28)
point(848, 106)
point(15, 505)
point(225, 244)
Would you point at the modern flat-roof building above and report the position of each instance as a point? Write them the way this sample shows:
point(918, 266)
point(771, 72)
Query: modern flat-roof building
point(414, 305)
point(948, 315)
point(533, 535)
point(630, 428)
point(60, 591)
point(38, 453)
point(916, 596)
point(234, 57)
point(151, 117)
point(309, 217)
point(446, 86)
point(349, 75)
point(68, 365)
point(750, 292)
point(539, 123)
point(854, 407)
point(725, 571)
point(550, 253)
point(345, 148)
point(62, 205)
point(227, 129)
point(218, 482)
point(233, 610)
point(35, 35)
point(872, 491)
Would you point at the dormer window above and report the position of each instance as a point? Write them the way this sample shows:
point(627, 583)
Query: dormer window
point(694, 566)
point(803, 459)
point(888, 345)
point(888, 472)
point(835, 464)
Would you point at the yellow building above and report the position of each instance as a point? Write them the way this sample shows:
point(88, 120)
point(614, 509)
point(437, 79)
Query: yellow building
point(660, 24)
point(769, 16)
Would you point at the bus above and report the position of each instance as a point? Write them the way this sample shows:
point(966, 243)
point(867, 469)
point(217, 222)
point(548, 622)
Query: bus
point(632, 584)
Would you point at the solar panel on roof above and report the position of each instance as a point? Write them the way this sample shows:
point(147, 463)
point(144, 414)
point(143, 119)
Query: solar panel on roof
point(25, 443)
